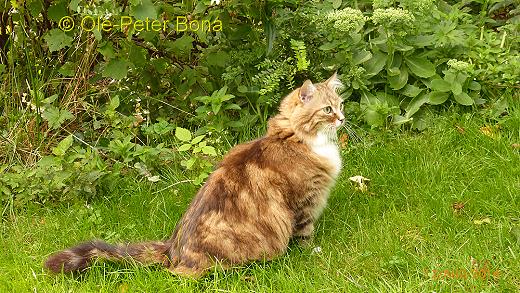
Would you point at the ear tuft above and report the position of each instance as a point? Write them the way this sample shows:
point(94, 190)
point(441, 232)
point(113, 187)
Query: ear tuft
point(333, 82)
point(306, 91)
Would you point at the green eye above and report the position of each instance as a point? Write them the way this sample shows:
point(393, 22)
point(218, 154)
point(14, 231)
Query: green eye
point(341, 106)
point(327, 109)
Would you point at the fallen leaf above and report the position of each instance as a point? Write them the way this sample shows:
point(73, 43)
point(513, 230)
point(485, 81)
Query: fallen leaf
point(482, 221)
point(490, 131)
point(460, 129)
point(458, 206)
point(343, 140)
point(360, 183)
point(248, 278)
point(154, 178)
point(516, 145)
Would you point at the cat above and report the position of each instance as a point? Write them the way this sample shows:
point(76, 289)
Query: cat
point(263, 193)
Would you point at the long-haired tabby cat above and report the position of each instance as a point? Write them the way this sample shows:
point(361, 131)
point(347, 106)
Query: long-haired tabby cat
point(262, 194)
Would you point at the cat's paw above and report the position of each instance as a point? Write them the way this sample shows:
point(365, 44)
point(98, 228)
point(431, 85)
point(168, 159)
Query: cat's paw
point(305, 241)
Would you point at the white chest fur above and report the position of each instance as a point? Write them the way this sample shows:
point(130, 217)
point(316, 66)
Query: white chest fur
point(328, 151)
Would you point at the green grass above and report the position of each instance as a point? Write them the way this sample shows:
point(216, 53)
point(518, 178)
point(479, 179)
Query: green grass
point(401, 236)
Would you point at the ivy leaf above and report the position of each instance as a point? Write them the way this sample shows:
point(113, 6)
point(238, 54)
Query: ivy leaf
point(55, 117)
point(116, 69)
point(63, 146)
point(183, 134)
point(420, 66)
point(57, 39)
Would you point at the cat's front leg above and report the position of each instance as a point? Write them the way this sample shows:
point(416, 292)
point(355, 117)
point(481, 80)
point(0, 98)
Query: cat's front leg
point(303, 229)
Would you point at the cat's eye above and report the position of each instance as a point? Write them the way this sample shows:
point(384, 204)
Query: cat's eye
point(341, 106)
point(327, 110)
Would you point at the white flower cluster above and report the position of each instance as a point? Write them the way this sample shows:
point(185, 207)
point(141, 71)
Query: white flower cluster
point(459, 65)
point(393, 17)
point(346, 19)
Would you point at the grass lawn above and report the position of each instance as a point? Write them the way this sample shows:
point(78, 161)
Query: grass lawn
point(405, 234)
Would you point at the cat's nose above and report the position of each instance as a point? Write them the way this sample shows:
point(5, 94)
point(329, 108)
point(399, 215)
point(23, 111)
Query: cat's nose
point(340, 117)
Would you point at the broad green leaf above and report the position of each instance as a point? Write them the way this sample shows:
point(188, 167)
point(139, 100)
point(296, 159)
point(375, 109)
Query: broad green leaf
point(336, 4)
point(411, 91)
point(197, 139)
point(63, 146)
point(34, 7)
point(183, 134)
point(57, 39)
point(397, 82)
point(415, 104)
point(329, 46)
point(270, 32)
point(189, 163)
point(219, 59)
point(399, 120)
point(422, 40)
point(209, 150)
point(461, 78)
point(182, 46)
point(68, 69)
point(464, 99)
point(474, 86)
point(146, 9)
point(116, 69)
point(184, 147)
point(420, 66)
point(368, 98)
point(456, 88)
point(55, 117)
point(232, 107)
point(57, 10)
point(375, 64)
point(437, 98)
point(216, 108)
point(440, 85)
point(360, 56)
point(374, 118)
point(113, 103)
point(107, 50)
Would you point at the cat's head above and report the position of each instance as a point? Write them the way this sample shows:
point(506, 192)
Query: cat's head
point(315, 108)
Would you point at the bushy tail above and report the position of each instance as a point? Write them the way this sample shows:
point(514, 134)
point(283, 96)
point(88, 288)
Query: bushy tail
point(81, 256)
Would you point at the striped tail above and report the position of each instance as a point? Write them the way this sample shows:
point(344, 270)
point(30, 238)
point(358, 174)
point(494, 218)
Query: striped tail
point(81, 256)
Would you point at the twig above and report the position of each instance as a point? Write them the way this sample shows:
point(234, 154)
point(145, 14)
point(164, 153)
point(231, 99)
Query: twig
point(169, 186)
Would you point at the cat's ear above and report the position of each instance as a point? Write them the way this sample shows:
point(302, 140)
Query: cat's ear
point(306, 91)
point(333, 82)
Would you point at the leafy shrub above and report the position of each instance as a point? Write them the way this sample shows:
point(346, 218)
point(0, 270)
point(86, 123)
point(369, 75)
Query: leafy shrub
point(126, 93)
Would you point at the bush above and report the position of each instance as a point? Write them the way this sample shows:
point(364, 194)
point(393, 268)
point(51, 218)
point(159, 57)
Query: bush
point(122, 91)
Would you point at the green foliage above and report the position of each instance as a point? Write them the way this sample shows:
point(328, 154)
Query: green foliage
point(122, 93)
